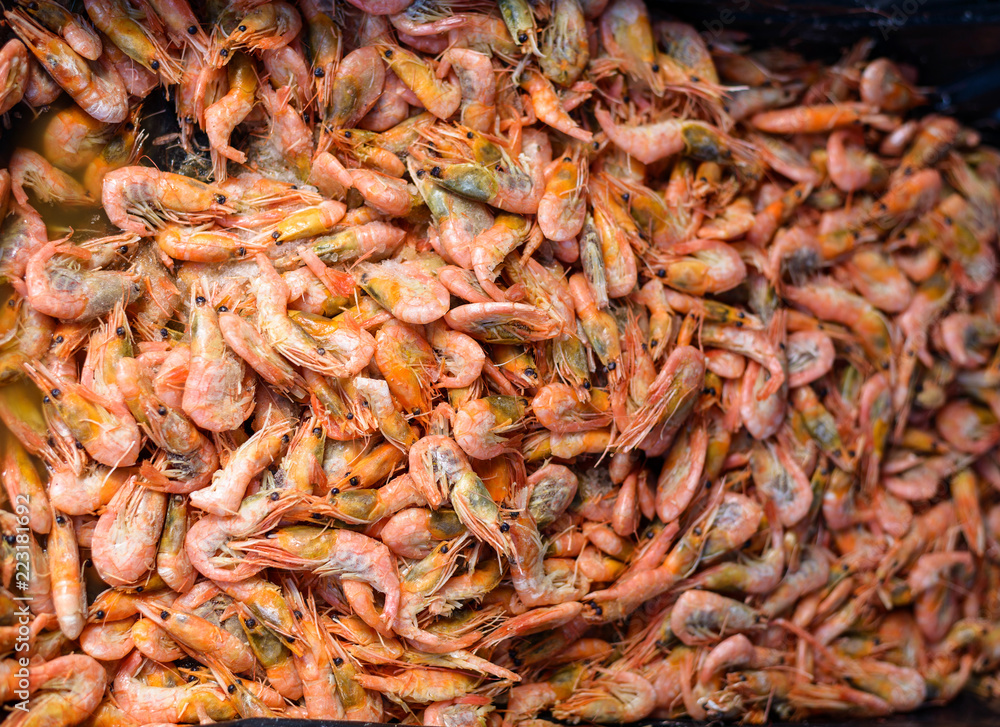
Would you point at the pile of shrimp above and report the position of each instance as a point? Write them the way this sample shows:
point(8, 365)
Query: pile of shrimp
point(484, 365)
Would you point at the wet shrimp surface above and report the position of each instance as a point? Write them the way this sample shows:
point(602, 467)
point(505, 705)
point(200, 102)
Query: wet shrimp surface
point(484, 365)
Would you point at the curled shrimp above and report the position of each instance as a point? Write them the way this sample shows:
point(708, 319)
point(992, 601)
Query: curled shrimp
point(139, 199)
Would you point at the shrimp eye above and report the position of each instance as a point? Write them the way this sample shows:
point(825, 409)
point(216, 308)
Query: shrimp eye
point(298, 613)
point(321, 351)
point(420, 173)
point(416, 411)
point(697, 531)
point(284, 439)
point(626, 196)
point(436, 172)
point(78, 445)
point(444, 548)
point(567, 159)
point(522, 38)
point(275, 496)
point(154, 64)
point(355, 481)
point(317, 431)
point(335, 491)
point(305, 117)
point(32, 6)
point(338, 661)
point(242, 251)
point(350, 416)
point(164, 615)
point(223, 309)
point(162, 411)
point(60, 519)
point(200, 300)
point(193, 30)
point(164, 333)
point(587, 385)
point(388, 52)
point(597, 145)
point(231, 688)
point(504, 527)
point(242, 28)
point(189, 119)
point(123, 249)
point(136, 287)
point(224, 52)
point(275, 235)
point(470, 135)
point(56, 393)
point(10, 539)
point(220, 198)
point(530, 372)
point(99, 613)
point(59, 338)
point(612, 366)
point(319, 72)
point(120, 331)
point(251, 623)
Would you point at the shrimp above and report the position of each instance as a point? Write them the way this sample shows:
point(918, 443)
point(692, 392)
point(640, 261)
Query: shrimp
point(411, 295)
point(477, 82)
point(341, 552)
point(139, 199)
point(612, 699)
point(30, 170)
point(219, 390)
point(229, 484)
point(562, 210)
point(703, 266)
point(651, 142)
point(564, 51)
point(127, 534)
point(548, 108)
point(356, 87)
point(112, 18)
point(265, 27)
point(68, 595)
point(223, 116)
point(441, 98)
point(100, 93)
point(66, 690)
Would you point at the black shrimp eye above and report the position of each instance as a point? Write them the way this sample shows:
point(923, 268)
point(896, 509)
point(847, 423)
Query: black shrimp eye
point(275, 235)
point(470, 135)
point(338, 661)
point(193, 30)
point(231, 688)
point(388, 52)
point(242, 251)
point(164, 615)
point(350, 416)
point(275, 496)
point(220, 198)
point(436, 172)
point(612, 366)
point(99, 613)
point(251, 623)
point(298, 613)
point(355, 481)
point(626, 196)
point(162, 411)
point(321, 351)
point(504, 527)
point(223, 309)
point(284, 439)
point(164, 333)
point(656, 68)
point(224, 52)
point(154, 64)
point(661, 273)
point(420, 173)
point(317, 431)
point(60, 520)
point(120, 331)
point(136, 287)
point(335, 491)
point(59, 338)
point(444, 548)
point(522, 37)
point(46, 400)
point(123, 249)
point(242, 28)
point(10, 539)
point(56, 393)
point(319, 72)
point(200, 300)
point(32, 6)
